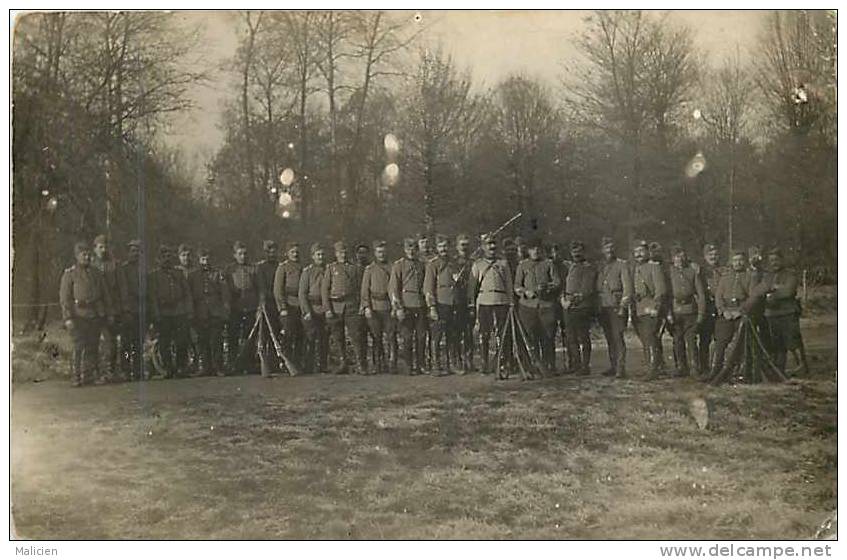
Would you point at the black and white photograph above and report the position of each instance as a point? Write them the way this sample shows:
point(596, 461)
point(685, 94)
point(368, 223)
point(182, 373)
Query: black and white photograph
point(424, 275)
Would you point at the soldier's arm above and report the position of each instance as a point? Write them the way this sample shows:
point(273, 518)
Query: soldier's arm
point(627, 283)
point(700, 291)
point(325, 286)
point(279, 288)
point(430, 284)
point(472, 285)
point(259, 285)
point(554, 286)
point(105, 303)
point(510, 283)
point(662, 292)
point(303, 292)
point(788, 290)
point(518, 283)
point(720, 304)
point(226, 295)
point(394, 285)
point(365, 290)
point(188, 299)
point(66, 296)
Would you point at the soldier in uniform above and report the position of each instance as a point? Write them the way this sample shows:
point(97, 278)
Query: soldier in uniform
point(614, 286)
point(265, 273)
point(757, 313)
point(376, 306)
point(490, 295)
point(781, 311)
point(286, 289)
point(363, 255)
point(108, 267)
point(363, 259)
point(184, 335)
point(132, 324)
point(464, 319)
point(657, 256)
point(650, 293)
point(522, 248)
point(210, 293)
point(170, 302)
point(537, 286)
point(245, 298)
point(82, 297)
point(686, 313)
point(579, 302)
point(340, 290)
point(313, 310)
point(710, 274)
point(563, 266)
point(734, 297)
point(405, 288)
point(442, 298)
point(426, 252)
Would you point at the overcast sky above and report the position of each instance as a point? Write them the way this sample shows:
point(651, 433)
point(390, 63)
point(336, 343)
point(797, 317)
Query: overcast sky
point(492, 44)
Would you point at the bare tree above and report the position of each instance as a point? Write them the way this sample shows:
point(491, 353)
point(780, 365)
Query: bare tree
point(244, 60)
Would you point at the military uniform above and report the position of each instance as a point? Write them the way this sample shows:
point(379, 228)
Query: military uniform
point(443, 298)
point(376, 305)
point(245, 298)
point(563, 267)
point(464, 320)
point(132, 323)
point(265, 273)
point(710, 276)
point(187, 328)
point(735, 295)
point(782, 314)
point(537, 286)
point(687, 311)
point(580, 304)
point(170, 302)
point(490, 289)
point(314, 321)
point(614, 288)
point(210, 294)
point(110, 327)
point(405, 288)
point(286, 289)
point(82, 297)
point(650, 292)
point(340, 290)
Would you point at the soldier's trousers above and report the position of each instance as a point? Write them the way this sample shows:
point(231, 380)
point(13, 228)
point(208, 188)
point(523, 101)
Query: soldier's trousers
point(614, 326)
point(784, 333)
point(561, 322)
point(413, 335)
point(684, 331)
point(167, 328)
point(578, 323)
point(383, 328)
point(291, 328)
point(132, 346)
point(704, 343)
point(238, 329)
point(725, 330)
point(492, 318)
point(109, 334)
point(340, 327)
point(317, 344)
point(85, 335)
point(464, 333)
point(647, 329)
point(445, 329)
point(540, 326)
point(210, 344)
point(182, 341)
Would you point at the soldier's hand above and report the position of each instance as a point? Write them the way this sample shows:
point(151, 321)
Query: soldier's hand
point(699, 319)
point(283, 313)
point(307, 317)
point(433, 313)
point(529, 294)
point(329, 314)
point(69, 324)
point(471, 311)
point(368, 313)
point(401, 314)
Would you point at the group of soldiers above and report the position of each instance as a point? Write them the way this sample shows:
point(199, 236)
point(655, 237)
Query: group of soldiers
point(419, 313)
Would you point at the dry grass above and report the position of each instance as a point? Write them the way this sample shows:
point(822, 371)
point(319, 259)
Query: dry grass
point(396, 457)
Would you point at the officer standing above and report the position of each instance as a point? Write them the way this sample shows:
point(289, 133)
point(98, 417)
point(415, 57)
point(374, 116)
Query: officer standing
point(464, 319)
point(265, 272)
point(376, 306)
point(650, 293)
point(286, 288)
point(185, 324)
point(490, 295)
point(579, 302)
point(340, 290)
point(614, 286)
point(442, 298)
point(313, 310)
point(781, 311)
point(687, 311)
point(132, 324)
point(108, 267)
point(82, 297)
point(563, 266)
point(245, 298)
point(710, 274)
point(363, 259)
point(405, 288)
point(734, 297)
point(170, 301)
point(537, 286)
point(211, 310)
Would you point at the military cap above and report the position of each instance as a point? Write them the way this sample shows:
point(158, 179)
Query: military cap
point(379, 243)
point(409, 242)
point(291, 245)
point(655, 246)
point(203, 252)
point(487, 238)
point(606, 241)
point(508, 242)
point(533, 242)
point(641, 243)
point(441, 239)
point(134, 243)
point(676, 249)
point(339, 245)
point(316, 247)
point(238, 245)
point(81, 246)
point(555, 246)
point(462, 237)
point(165, 249)
point(776, 251)
point(268, 244)
point(741, 252)
point(100, 239)
point(422, 236)
point(577, 245)
point(709, 247)
point(183, 248)
point(362, 245)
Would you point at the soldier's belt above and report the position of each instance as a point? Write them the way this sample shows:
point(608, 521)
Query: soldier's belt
point(291, 291)
point(84, 304)
point(339, 299)
point(411, 291)
point(315, 299)
point(492, 291)
point(684, 300)
point(379, 296)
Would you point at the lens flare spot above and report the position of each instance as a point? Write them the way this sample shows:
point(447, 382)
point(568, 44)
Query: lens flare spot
point(286, 177)
point(695, 166)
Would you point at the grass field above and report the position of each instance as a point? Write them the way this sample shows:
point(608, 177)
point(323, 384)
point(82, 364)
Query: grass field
point(433, 458)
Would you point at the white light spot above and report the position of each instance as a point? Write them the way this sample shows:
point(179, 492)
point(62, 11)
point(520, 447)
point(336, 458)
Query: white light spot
point(286, 214)
point(391, 174)
point(567, 218)
point(696, 114)
point(285, 199)
point(45, 192)
point(696, 165)
point(392, 145)
point(291, 145)
point(286, 177)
